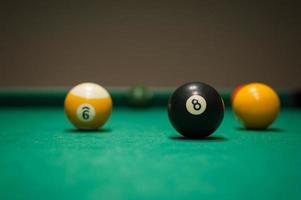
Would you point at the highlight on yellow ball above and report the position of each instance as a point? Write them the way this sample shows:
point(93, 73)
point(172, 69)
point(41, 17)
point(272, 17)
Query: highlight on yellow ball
point(88, 106)
point(256, 105)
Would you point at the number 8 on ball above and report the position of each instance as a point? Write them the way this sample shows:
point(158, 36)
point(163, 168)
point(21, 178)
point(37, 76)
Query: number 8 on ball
point(196, 104)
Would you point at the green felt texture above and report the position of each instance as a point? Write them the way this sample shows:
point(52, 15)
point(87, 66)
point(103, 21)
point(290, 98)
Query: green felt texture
point(138, 155)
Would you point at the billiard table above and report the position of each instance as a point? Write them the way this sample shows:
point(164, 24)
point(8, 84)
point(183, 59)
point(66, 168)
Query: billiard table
point(138, 155)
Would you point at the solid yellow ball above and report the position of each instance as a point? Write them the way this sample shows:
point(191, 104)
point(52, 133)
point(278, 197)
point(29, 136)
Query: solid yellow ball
point(256, 105)
point(88, 106)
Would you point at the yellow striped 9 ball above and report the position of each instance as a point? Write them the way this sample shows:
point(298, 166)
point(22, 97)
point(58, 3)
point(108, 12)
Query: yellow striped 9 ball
point(88, 106)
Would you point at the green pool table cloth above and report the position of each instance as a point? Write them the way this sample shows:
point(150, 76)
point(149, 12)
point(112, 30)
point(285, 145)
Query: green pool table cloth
point(138, 155)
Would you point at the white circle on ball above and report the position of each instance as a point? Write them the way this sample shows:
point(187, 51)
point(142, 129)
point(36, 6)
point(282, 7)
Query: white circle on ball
point(85, 112)
point(196, 104)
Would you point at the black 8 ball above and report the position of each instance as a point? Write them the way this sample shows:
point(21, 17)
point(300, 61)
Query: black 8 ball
point(195, 110)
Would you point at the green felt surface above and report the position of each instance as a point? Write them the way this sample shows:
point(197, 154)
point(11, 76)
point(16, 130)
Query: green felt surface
point(138, 155)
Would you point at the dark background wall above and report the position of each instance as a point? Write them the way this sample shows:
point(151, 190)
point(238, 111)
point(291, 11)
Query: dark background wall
point(158, 43)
